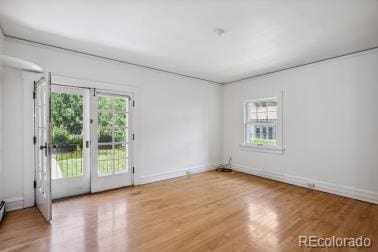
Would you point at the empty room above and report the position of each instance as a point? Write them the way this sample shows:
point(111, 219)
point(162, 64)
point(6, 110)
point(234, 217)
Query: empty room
point(189, 125)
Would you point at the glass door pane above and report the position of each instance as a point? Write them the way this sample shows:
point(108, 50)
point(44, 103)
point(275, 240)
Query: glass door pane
point(67, 135)
point(112, 135)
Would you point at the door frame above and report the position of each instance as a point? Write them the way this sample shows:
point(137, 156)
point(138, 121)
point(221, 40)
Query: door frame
point(28, 123)
point(116, 88)
point(76, 181)
point(28, 78)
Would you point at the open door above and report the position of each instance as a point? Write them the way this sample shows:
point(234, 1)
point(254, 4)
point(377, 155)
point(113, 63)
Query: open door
point(42, 90)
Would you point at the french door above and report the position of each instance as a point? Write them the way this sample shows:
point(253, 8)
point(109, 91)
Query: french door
point(70, 141)
point(42, 150)
point(111, 162)
point(89, 148)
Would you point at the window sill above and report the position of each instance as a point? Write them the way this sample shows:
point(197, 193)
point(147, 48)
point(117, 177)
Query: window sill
point(265, 149)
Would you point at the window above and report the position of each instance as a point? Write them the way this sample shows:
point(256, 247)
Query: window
point(262, 124)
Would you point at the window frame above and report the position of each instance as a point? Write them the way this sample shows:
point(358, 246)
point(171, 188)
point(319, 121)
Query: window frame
point(278, 147)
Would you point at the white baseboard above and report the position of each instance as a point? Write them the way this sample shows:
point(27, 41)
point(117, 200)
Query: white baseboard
point(350, 192)
point(14, 203)
point(176, 173)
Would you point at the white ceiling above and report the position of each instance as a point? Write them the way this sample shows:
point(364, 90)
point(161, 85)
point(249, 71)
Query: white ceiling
point(178, 36)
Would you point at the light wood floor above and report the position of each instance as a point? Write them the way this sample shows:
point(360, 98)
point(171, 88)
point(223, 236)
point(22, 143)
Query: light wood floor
point(205, 212)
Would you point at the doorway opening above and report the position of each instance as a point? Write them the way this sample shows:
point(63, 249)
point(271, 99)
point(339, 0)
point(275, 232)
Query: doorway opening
point(90, 141)
point(70, 173)
point(83, 141)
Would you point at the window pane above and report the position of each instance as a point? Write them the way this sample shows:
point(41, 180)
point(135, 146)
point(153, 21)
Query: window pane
point(257, 132)
point(272, 115)
point(272, 103)
point(66, 134)
point(120, 120)
point(120, 151)
point(261, 122)
point(270, 136)
point(105, 102)
point(105, 152)
point(120, 135)
point(264, 133)
point(250, 132)
point(105, 135)
point(120, 104)
point(261, 109)
point(105, 167)
point(120, 165)
point(105, 119)
point(262, 116)
point(112, 135)
point(261, 133)
point(253, 117)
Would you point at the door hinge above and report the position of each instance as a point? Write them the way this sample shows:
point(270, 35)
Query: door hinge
point(87, 144)
point(91, 121)
point(34, 95)
point(133, 137)
point(35, 184)
point(133, 103)
point(133, 169)
point(34, 139)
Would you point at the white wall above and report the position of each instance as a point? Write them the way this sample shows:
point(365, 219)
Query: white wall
point(12, 142)
point(1, 78)
point(329, 128)
point(179, 118)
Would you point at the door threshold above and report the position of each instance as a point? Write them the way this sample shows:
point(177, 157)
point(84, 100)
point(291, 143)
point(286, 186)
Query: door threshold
point(89, 194)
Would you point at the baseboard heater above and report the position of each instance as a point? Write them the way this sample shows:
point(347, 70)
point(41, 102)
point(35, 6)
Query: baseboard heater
point(2, 210)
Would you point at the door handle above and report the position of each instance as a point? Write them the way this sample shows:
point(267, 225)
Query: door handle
point(41, 147)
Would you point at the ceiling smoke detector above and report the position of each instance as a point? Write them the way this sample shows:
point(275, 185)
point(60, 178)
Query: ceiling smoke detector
point(219, 31)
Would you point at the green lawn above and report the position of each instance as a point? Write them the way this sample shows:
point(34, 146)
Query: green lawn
point(71, 163)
